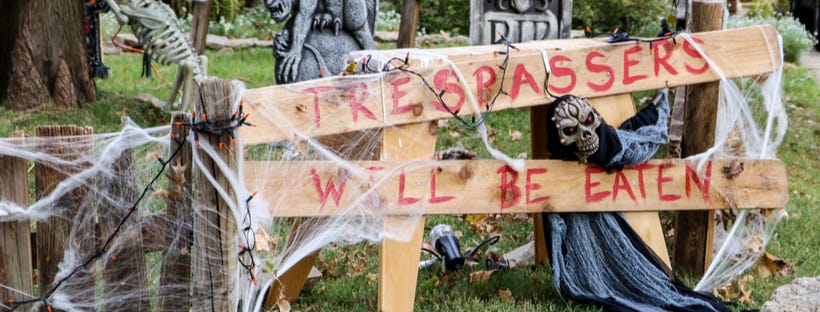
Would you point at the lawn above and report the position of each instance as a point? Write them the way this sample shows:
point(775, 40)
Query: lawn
point(353, 287)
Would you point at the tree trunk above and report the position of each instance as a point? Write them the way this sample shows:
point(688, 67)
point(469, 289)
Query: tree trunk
point(43, 54)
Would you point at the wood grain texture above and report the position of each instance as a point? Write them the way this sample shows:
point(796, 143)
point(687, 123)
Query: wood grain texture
point(351, 103)
point(15, 238)
point(215, 231)
point(408, 24)
point(554, 186)
point(399, 260)
point(127, 274)
point(692, 248)
point(68, 142)
point(175, 272)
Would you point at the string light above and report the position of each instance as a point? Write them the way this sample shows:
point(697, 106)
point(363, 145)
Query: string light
point(202, 126)
point(403, 65)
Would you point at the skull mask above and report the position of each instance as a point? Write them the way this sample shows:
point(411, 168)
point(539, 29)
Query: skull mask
point(577, 121)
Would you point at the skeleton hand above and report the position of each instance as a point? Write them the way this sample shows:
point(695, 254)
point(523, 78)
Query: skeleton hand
point(290, 65)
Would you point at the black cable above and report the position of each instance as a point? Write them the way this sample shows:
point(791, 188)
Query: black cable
point(237, 120)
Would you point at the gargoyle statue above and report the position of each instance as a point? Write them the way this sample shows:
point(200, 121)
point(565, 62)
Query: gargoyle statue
point(355, 17)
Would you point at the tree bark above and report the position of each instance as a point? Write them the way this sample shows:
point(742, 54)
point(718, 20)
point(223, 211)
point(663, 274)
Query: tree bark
point(43, 53)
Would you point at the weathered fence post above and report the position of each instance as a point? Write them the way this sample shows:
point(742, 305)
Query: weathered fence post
point(175, 274)
point(126, 273)
point(54, 235)
point(15, 238)
point(215, 246)
point(408, 24)
point(693, 229)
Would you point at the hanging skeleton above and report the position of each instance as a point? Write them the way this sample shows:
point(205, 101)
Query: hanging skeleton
point(630, 277)
point(580, 133)
point(154, 24)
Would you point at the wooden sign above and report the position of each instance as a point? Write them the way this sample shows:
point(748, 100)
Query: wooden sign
point(584, 67)
point(319, 188)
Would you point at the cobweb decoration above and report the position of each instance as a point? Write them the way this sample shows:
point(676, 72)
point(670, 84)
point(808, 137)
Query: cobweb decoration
point(119, 197)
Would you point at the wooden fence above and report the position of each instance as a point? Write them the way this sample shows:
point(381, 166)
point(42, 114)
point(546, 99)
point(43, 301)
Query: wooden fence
point(605, 73)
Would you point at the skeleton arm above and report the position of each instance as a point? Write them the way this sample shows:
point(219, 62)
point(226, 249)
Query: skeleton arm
point(121, 18)
point(154, 24)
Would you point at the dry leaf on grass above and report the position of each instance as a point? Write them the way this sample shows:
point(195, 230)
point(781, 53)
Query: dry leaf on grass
point(769, 265)
point(515, 135)
point(479, 276)
point(475, 218)
point(505, 294)
point(737, 291)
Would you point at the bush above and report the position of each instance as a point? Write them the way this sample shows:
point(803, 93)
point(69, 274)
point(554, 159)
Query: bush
point(638, 18)
point(445, 15)
point(796, 40)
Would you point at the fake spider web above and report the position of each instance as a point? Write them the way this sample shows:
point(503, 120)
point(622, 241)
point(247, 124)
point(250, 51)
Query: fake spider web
point(119, 183)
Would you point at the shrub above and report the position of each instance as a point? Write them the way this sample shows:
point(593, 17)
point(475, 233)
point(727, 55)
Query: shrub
point(639, 18)
point(796, 40)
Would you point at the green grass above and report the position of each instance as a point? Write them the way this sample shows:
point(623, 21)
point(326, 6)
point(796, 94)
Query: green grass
point(351, 286)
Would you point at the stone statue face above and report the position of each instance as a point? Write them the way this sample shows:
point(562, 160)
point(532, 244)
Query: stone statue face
point(577, 121)
point(279, 9)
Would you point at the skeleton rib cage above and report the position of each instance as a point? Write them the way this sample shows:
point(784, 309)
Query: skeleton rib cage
point(155, 26)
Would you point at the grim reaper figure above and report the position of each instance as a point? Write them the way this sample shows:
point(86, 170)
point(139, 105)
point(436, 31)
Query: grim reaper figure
point(597, 257)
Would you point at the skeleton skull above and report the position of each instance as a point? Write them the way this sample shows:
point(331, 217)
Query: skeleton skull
point(576, 122)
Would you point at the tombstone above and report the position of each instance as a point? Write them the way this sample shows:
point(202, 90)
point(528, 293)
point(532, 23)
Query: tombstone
point(318, 36)
point(519, 20)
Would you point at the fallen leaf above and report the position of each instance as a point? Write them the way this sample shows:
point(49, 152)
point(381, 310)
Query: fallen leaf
point(505, 294)
point(479, 276)
point(265, 242)
point(474, 218)
point(284, 305)
point(454, 134)
point(755, 243)
point(737, 291)
point(515, 135)
point(770, 265)
point(372, 278)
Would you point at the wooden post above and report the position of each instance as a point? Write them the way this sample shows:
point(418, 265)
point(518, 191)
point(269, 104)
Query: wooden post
point(175, 273)
point(399, 260)
point(408, 25)
point(199, 25)
point(215, 247)
point(693, 229)
point(127, 273)
point(54, 234)
point(15, 238)
point(538, 137)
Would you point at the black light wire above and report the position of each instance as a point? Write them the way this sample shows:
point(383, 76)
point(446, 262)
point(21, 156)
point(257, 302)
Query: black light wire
point(237, 120)
point(403, 65)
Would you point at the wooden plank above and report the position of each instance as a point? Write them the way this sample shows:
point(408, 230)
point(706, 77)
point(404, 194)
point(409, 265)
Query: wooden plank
point(15, 244)
point(399, 259)
point(215, 230)
point(692, 249)
point(175, 272)
point(584, 67)
point(321, 188)
point(126, 272)
point(53, 236)
point(290, 283)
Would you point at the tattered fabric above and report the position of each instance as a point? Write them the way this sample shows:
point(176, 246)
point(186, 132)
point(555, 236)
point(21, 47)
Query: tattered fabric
point(597, 257)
